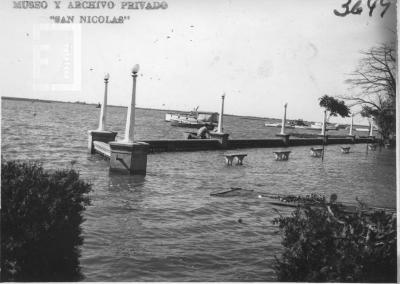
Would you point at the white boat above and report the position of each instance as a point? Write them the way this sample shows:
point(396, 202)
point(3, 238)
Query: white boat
point(318, 126)
point(177, 115)
point(278, 125)
point(273, 124)
point(193, 119)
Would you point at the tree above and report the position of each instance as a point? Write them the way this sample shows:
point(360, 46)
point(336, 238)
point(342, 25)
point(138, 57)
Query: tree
point(41, 217)
point(374, 80)
point(322, 242)
point(334, 106)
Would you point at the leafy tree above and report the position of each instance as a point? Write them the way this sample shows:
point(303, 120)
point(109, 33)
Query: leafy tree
point(40, 223)
point(374, 81)
point(325, 244)
point(334, 106)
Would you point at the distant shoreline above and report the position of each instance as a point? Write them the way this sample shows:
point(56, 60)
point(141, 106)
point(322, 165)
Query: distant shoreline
point(146, 108)
point(94, 104)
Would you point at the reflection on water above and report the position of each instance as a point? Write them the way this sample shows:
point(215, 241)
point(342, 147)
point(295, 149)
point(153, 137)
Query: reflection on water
point(166, 226)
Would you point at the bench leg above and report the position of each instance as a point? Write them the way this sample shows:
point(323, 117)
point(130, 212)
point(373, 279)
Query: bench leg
point(240, 160)
point(229, 160)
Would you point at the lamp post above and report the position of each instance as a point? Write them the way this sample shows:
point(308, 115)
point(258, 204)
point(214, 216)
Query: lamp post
point(371, 128)
point(323, 124)
point(284, 120)
point(130, 119)
point(103, 110)
point(351, 125)
point(221, 114)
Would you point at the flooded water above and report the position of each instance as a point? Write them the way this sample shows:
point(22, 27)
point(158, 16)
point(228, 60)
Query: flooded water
point(166, 226)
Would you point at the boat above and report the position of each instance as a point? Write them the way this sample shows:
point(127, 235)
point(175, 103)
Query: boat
point(177, 115)
point(299, 123)
point(318, 126)
point(193, 119)
point(278, 125)
point(192, 122)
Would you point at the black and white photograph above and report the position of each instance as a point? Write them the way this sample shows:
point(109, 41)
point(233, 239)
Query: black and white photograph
point(199, 141)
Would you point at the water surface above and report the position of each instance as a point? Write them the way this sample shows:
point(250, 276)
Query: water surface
point(166, 226)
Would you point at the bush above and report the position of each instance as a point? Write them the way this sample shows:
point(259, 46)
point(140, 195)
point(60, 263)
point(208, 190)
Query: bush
point(40, 222)
point(324, 243)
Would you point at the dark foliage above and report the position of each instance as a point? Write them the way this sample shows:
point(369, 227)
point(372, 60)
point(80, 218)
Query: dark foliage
point(385, 118)
point(374, 82)
point(324, 244)
point(40, 223)
point(334, 106)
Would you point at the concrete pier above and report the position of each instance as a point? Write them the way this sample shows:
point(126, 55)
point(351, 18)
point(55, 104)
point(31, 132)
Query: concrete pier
point(129, 157)
point(101, 136)
point(221, 137)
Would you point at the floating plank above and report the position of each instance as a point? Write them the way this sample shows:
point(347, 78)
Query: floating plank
point(233, 191)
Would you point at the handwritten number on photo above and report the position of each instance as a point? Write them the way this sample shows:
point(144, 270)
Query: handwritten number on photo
point(356, 9)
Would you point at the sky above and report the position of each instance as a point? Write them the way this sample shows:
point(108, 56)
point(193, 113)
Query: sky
point(260, 54)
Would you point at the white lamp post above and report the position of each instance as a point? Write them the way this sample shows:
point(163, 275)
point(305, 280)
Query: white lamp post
point(323, 124)
point(103, 111)
point(130, 119)
point(221, 114)
point(351, 125)
point(284, 121)
point(371, 128)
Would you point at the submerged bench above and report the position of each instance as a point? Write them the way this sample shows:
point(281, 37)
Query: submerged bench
point(345, 150)
point(282, 155)
point(102, 148)
point(230, 157)
point(316, 152)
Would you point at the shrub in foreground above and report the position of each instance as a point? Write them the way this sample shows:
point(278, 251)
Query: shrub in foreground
point(324, 243)
point(40, 222)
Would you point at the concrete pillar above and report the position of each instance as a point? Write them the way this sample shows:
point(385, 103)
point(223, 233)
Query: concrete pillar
point(129, 158)
point(285, 138)
point(221, 137)
point(221, 115)
point(130, 119)
point(323, 124)
point(371, 130)
point(283, 121)
point(102, 136)
point(351, 136)
point(351, 126)
point(324, 139)
point(103, 111)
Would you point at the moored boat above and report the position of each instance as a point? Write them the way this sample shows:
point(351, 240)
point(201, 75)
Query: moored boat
point(193, 119)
